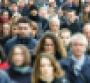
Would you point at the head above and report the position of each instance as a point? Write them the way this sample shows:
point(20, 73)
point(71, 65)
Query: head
point(54, 24)
point(14, 30)
point(49, 43)
point(14, 7)
point(79, 44)
point(34, 28)
point(65, 36)
point(6, 29)
point(86, 8)
point(19, 56)
point(86, 31)
point(71, 15)
point(43, 12)
point(24, 27)
point(46, 68)
point(5, 16)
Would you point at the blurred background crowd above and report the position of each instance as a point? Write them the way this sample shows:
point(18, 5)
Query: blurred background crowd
point(44, 41)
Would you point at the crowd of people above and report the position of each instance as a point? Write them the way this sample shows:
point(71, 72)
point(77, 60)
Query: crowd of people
point(44, 41)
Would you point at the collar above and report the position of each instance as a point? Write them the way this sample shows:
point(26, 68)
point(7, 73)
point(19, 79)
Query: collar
point(78, 63)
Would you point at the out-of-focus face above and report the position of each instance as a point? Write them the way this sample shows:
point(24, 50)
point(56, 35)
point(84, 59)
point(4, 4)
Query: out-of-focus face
point(87, 9)
point(49, 46)
point(31, 2)
point(6, 30)
point(87, 32)
point(18, 57)
point(14, 31)
point(71, 16)
point(24, 29)
point(78, 48)
point(46, 69)
point(66, 37)
point(54, 26)
point(5, 15)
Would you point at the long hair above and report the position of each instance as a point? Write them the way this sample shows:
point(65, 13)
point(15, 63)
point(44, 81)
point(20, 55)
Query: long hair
point(59, 46)
point(26, 54)
point(58, 71)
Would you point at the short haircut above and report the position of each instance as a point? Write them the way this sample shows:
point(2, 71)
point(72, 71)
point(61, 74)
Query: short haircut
point(79, 36)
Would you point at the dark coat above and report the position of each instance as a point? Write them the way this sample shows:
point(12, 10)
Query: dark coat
point(29, 42)
point(19, 76)
point(83, 77)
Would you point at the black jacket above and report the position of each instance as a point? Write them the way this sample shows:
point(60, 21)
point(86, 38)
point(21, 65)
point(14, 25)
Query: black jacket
point(19, 77)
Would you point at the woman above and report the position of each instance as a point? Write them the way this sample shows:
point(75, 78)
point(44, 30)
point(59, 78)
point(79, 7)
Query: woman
point(49, 43)
point(47, 70)
point(19, 59)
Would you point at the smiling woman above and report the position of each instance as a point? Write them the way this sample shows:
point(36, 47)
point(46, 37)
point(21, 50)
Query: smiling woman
point(47, 70)
point(19, 60)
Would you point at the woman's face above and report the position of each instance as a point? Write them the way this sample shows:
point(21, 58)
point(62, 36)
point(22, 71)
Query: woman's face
point(46, 69)
point(49, 45)
point(18, 57)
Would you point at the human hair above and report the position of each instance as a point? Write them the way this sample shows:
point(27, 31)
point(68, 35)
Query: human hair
point(58, 72)
point(59, 46)
point(65, 30)
point(54, 19)
point(26, 54)
point(79, 36)
point(23, 20)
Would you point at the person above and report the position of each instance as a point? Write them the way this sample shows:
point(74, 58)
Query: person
point(47, 70)
point(4, 78)
point(19, 60)
point(24, 36)
point(49, 43)
point(72, 21)
point(54, 25)
point(86, 31)
point(77, 65)
point(65, 36)
point(3, 60)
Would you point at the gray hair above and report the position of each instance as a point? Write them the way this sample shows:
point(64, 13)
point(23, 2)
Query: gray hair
point(55, 19)
point(79, 36)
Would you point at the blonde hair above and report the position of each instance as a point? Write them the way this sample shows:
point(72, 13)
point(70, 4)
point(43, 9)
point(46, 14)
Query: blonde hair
point(58, 71)
point(26, 52)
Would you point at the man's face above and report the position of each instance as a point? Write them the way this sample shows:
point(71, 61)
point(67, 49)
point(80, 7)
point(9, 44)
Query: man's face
point(71, 16)
point(78, 48)
point(24, 29)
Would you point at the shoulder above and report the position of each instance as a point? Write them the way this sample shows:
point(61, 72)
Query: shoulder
point(4, 78)
point(11, 40)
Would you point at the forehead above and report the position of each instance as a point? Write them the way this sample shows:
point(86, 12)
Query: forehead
point(47, 39)
point(17, 49)
point(23, 24)
point(78, 41)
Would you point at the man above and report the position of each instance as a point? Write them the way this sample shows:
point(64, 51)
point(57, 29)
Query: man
point(24, 36)
point(72, 21)
point(77, 66)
